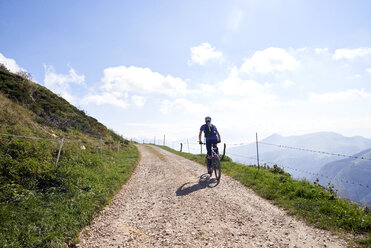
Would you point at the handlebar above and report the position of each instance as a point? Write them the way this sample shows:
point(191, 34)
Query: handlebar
point(202, 143)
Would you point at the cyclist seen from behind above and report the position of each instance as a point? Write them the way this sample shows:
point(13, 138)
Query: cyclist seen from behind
point(212, 137)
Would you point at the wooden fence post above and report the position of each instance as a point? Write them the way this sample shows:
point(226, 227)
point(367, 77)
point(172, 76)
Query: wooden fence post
point(101, 146)
point(59, 152)
point(257, 150)
point(224, 151)
point(181, 147)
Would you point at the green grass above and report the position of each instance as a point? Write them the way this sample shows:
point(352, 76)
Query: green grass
point(44, 205)
point(50, 109)
point(315, 204)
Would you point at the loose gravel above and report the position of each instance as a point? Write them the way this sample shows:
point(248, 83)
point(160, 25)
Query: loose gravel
point(170, 202)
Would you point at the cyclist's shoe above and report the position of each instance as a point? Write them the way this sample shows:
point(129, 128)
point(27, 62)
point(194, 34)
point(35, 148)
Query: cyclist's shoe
point(209, 170)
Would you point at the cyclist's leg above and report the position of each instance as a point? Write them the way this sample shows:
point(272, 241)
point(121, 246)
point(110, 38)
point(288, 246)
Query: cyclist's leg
point(215, 144)
point(208, 148)
point(208, 156)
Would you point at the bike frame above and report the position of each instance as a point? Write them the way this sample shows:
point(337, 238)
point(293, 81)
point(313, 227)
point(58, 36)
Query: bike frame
point(215, 161)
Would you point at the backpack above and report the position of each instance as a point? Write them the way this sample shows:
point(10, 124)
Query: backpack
point(209, 130)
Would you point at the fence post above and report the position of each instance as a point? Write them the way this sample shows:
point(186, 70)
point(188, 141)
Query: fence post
point(257, 151)
point(188, 146)
point(164, 139)
point(224, 151)
point(201, 148)
point(181, 147)
point(59, 152)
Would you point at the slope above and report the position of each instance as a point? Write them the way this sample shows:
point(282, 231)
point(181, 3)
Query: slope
point(347, 171)
point(49, 108)
point(44, 203)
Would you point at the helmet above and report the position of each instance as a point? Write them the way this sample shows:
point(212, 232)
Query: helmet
point(207, 119)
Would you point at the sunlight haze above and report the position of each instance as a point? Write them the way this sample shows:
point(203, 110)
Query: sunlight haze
point(154, 68)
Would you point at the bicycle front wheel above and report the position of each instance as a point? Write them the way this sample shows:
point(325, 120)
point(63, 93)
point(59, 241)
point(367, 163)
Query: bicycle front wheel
point(217, 167)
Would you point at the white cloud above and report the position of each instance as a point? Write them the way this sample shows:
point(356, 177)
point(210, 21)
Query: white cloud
point(270, 60)
point(245, 94)
point(299, 50)
point(10, 64)
point(368, 70)
point(60, 83)
point(351, 53)
point(351, 94)
point(106, 98)
point(182, 105)
point(234, 85)
point(321, 50)
point(128, 86)
point(141, 80)
point(204, 53)
point(206, 89)
point(287, 84)
point(138, 101)
point(250, 104)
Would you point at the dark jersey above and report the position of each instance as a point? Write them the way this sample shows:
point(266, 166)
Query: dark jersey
point(209, 131)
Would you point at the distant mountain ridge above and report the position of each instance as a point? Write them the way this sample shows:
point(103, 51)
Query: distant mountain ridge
point(301, 162)
point(352, 177)
point(323, 141)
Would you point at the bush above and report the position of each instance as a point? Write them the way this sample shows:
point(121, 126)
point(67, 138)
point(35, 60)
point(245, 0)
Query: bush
point(25, 75)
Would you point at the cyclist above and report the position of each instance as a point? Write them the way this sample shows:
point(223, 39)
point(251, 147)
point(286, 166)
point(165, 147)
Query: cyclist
point(212, 137)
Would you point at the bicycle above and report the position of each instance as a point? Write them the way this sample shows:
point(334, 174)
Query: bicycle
point(215, 162)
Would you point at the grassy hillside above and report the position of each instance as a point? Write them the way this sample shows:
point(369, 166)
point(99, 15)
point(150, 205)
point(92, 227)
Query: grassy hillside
point(42, 203)
point(313, 203)
point(50, 109)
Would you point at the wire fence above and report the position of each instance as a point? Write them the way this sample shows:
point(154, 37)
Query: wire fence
point(315, 151)
point(61, 141)
point(27, 137)
point(343, 180)
point(185, 146)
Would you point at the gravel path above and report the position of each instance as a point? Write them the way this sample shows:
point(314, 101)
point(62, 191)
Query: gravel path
point(170, 202)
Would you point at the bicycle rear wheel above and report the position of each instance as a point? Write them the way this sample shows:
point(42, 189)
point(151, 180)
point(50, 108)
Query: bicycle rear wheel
point(217, 167)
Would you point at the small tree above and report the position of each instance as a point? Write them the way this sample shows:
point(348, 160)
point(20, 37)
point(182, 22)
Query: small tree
point(3, 67)
point(25, 75)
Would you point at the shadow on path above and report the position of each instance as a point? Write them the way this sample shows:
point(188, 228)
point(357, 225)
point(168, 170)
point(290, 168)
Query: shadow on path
point(204, 182)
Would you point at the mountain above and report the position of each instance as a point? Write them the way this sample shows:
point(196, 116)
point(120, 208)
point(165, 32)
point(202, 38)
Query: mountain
point(52, 187)
point(301, 161)
point(352, 177)
point(47, 108)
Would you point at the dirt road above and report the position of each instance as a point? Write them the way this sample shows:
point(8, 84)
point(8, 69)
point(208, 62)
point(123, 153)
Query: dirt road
point(169, 202)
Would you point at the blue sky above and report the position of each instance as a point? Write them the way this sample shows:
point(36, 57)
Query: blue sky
point(148, 68)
